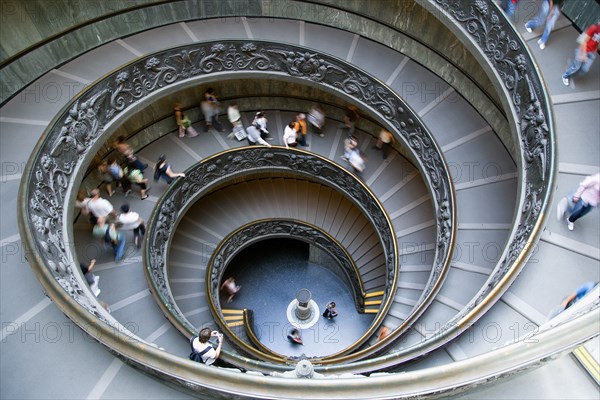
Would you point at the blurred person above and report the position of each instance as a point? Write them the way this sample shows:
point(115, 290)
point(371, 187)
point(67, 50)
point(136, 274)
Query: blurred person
point(585, 53)
point(383, 333)
point(383, 142)
point(330, 311)
point(99, 207)
point(92, 280)
point(350, 119)
point(230, 288)
point(187, 125)
point(110, 234)
point(254, 137)
point(510, 6)
point(136, 177)
point(131, 220)
point(585, 198)
point(162, 169)
point(235, 118)
point(547, 16)
point(128, 155)
point(316, 119)
point(294, 336)
point(357, 161)
point(573, 298)
point(260, 121)
point(301, 129)
point(179, 120)
point(210, 109)
point(81, 202)
point(233, 114)
point(119, 175)
point(106, 177)
point(350, 144)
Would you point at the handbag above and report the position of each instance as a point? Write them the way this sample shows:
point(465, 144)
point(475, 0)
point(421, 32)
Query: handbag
point(240, 133)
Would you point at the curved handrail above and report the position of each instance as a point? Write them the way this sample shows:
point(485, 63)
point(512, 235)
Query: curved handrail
point(533, 202)
point(252, 232)
point(497, 43)
point(248, 321)
point(232, 164)
point(77, 131)
point(202, 13)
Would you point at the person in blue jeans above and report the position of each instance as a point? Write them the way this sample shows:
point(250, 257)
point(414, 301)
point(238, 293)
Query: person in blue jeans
point(509, 8)
point(581, 202)
point(573, 298)
point(110, 235)
point(585, 53)
point(549, 13)
point(585, 198)
point(117, 240)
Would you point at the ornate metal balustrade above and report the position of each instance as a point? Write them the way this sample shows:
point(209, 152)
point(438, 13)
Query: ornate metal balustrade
point(69, 143)
point(247, 162)
point(257, 231)
point(48, 194)
point(493, 39)
point(276, 228)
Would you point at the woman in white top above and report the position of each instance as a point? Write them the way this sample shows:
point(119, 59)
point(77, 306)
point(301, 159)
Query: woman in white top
point(131, 220)
point(260, 120)
point(289, 136)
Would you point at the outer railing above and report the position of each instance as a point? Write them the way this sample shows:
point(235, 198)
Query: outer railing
point(48, 193)
point(502, 51)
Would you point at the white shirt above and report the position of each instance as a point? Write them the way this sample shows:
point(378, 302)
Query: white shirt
point(254, 136)
point(356, 160)
point(289, 135)
point(130, 220)
point(233, 114)
point(100, 207)
point(210, 356)
point(262, 123)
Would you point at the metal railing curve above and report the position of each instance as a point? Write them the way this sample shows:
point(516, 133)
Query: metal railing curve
point(67, 146)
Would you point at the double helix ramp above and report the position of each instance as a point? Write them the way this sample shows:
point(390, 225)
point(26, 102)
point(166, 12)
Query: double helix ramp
point(486, 191)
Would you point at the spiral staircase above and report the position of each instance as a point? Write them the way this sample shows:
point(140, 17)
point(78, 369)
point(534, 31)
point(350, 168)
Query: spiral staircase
point(456, 308)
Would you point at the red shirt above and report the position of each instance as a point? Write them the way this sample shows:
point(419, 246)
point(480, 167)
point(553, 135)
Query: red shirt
point(594, 37)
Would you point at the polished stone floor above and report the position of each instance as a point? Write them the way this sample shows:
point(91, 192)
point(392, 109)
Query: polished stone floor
point(271, 272)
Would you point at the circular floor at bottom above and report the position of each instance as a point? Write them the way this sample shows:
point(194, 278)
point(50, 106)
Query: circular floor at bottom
point(271, 273)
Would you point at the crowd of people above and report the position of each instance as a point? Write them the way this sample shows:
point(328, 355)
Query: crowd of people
point(295, 133)
point(126, 170)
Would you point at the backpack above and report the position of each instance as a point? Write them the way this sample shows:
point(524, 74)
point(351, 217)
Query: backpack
point(107, 237)
point(115, 171)
point(135, 174)
point(194, 355)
